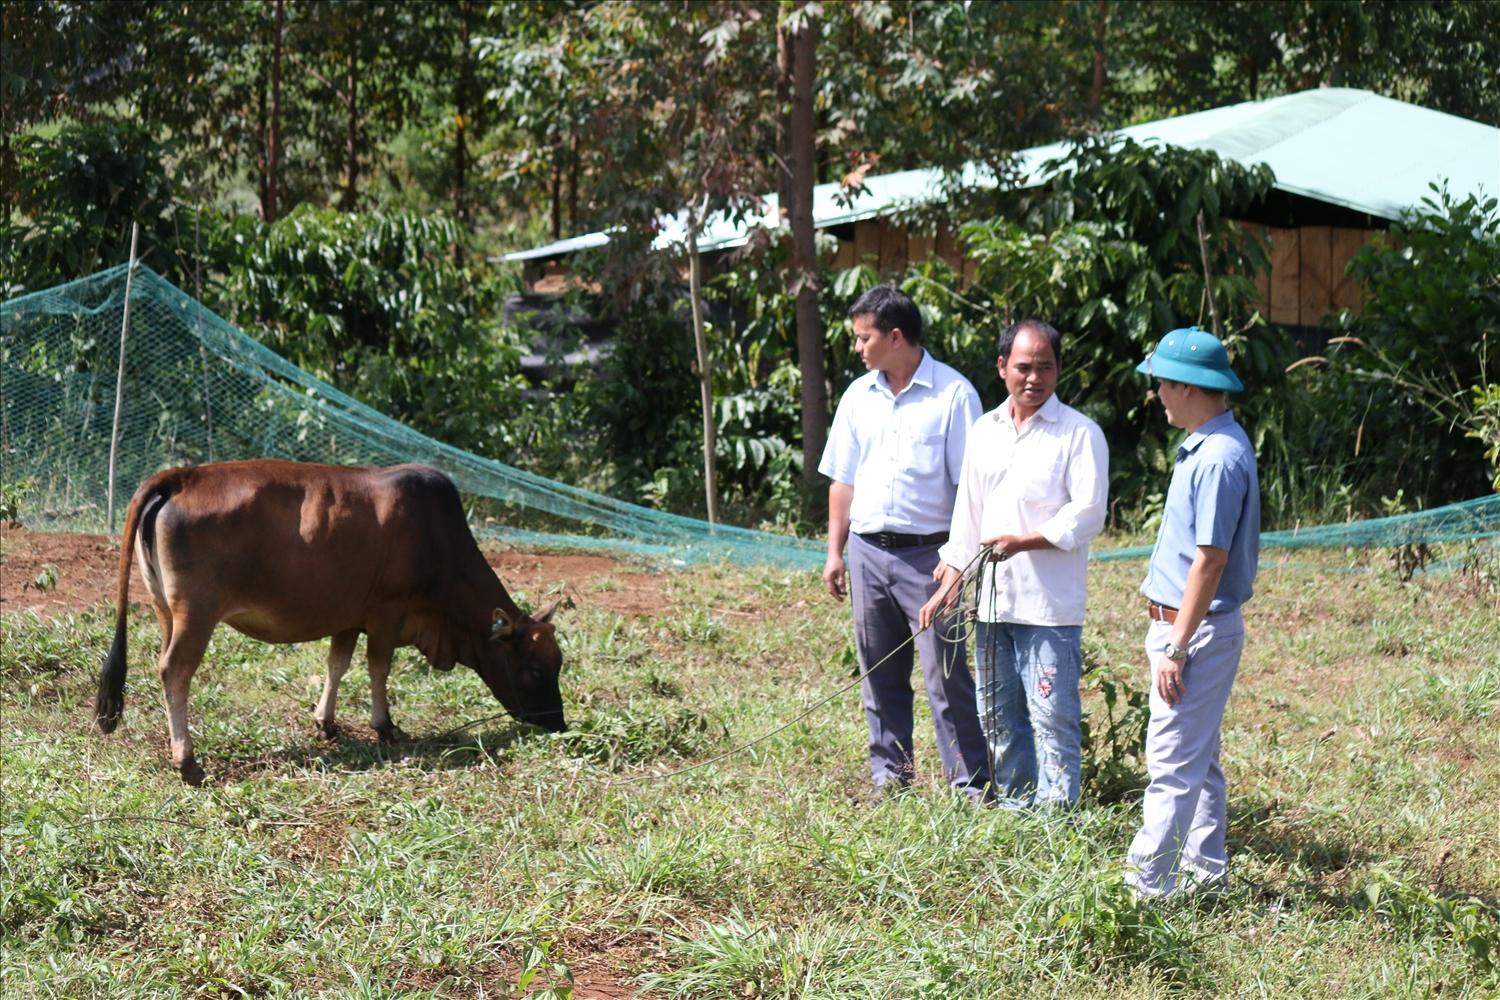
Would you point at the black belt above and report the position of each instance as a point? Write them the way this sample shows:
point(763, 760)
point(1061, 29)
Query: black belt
point(895, 540)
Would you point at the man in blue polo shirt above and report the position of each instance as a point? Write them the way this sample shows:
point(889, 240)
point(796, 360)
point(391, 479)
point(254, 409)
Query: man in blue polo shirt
point(894, 455)
point(1201, 573)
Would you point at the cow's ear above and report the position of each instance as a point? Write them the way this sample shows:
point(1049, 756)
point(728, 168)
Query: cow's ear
point(546, 616)
point(502, 625)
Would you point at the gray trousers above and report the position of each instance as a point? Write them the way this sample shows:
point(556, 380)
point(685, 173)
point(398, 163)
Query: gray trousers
point(1183, 813)
point(888, 588)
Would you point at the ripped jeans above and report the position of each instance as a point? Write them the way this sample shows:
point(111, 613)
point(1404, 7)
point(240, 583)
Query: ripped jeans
point(1026, 680)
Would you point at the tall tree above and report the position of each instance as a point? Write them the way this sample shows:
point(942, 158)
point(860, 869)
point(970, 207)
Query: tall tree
point(798, 37)
point(272, 171)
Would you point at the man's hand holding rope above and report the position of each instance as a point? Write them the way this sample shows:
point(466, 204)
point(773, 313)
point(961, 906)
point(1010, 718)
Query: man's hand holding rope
point(945, 599)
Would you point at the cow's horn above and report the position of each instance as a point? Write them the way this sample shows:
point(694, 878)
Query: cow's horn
point(551, 609)
point(502, 627)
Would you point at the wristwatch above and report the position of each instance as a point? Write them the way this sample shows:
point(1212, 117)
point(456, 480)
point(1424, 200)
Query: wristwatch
point(1174, 652)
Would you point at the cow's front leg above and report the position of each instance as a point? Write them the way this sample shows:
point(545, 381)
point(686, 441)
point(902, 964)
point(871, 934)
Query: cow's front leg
point(179, 661)
point(340, 651)
point(378, 652)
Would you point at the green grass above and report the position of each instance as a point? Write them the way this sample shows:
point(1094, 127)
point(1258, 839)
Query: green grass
point(1362, 745)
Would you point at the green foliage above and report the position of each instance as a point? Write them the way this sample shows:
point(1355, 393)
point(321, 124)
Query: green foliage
point(1416, 910)
point(46, 578)
point(81, 187)
point(1485, 400)
point(374, 304)
point(635, 734)
point(537, 961)
point(14, 496)
point(1113, 748)
point(642, 397)
point(1104, 920)
point(1109, 255)
point(1170, 58)
point(1417, 363)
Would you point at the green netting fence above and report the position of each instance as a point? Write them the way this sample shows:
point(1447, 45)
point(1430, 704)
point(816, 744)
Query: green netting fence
point(197, 389)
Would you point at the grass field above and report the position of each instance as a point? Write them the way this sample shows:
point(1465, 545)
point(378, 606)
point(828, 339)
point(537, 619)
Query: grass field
point(1362, 746)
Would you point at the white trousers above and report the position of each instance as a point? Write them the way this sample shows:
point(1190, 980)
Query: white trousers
point(1181, 839)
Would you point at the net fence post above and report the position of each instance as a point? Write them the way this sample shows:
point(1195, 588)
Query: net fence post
point(114, 433)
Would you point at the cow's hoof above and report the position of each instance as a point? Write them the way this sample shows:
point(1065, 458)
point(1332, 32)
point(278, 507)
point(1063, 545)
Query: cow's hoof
point(329, 732)
point(191, 773)
point(391, 733)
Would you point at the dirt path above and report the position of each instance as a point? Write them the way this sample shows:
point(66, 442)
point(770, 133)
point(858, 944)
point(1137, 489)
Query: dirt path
point(83, 572)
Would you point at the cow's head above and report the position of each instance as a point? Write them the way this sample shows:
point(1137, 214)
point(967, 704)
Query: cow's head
point(523, 673)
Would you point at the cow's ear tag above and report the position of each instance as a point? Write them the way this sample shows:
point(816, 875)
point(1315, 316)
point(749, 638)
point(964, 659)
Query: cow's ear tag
point(502, 627)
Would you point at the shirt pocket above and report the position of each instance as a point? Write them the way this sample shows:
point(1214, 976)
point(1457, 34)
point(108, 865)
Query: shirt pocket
point(929, 455)
point(1043, 486)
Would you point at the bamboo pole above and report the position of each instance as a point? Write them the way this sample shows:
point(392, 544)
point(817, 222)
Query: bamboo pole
point(705, 375)
point(1208, 277)
point(114, 433)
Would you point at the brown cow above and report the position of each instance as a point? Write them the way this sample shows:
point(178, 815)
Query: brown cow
point(286, 552)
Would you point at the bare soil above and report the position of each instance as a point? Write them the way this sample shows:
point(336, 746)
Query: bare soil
point(85, 568)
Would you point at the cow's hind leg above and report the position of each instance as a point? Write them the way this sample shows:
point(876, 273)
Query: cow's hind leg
point(340, 651)
point(378, 650)
point(180, 657)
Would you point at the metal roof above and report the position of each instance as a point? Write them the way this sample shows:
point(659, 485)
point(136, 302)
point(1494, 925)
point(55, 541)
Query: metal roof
point(1337, 145)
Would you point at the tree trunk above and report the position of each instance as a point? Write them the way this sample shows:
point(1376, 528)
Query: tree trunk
point(705, 373)
point(556, 195)
point(1096, 92)
point(802, 149)
point(461, 120)
point(270, 210)
point(351, 133)
point(573, 183)
point(783, 122)
point(262, 126)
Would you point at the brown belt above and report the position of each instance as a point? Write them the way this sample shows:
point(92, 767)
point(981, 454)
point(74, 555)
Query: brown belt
point(1161, 613)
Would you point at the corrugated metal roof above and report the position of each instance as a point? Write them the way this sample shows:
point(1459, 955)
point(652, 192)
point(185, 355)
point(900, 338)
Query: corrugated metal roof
point(1342, 146)
point(1345, 147)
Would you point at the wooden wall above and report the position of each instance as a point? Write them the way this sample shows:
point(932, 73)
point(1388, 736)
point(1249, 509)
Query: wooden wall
point(1305, 283)
point(1307, 279)
point(892, 248)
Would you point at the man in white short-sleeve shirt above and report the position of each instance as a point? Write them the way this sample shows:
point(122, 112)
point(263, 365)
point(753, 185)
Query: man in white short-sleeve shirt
point(894, 455)
point(1034, 487)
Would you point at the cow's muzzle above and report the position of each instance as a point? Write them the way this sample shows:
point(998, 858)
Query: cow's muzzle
point(553, 722)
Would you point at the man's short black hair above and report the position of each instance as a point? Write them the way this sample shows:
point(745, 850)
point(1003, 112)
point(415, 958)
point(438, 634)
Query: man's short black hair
point(890, 308)
point(1008, 338)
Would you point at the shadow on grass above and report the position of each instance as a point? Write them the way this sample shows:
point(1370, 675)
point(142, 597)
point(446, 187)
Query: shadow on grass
point(354, 752)
point(1261, 826)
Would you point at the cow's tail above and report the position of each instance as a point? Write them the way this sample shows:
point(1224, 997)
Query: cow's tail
point(109, 703)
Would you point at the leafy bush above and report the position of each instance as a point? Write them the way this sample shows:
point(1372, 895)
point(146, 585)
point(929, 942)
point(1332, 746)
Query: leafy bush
point(1407, 397)
point(1113, 748)
point(1108, 254)
point(374, 304)
point(79, 188)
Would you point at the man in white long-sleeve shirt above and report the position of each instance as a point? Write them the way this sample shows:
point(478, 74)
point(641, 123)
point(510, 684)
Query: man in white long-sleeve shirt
point(1034, 486)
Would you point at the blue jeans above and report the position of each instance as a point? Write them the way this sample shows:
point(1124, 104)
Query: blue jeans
point(1029, 707)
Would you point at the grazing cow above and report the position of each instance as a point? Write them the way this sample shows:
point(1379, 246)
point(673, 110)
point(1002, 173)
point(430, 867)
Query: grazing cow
point(286, 552)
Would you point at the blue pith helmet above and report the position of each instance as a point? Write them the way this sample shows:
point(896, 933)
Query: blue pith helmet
point(1193, 357)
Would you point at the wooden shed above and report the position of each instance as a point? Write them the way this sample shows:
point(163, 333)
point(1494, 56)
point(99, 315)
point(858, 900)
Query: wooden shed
point(1346, 162)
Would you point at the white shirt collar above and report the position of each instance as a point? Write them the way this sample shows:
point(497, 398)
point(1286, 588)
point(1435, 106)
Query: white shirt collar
point(923, 376)
point(1050, 411)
